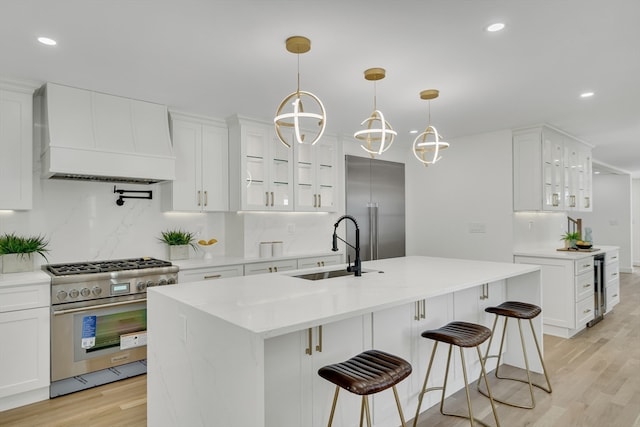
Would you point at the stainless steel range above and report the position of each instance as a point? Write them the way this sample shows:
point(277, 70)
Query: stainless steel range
point(99, 320)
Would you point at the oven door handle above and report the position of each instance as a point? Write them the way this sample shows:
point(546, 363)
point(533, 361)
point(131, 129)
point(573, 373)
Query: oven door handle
point(94, 307)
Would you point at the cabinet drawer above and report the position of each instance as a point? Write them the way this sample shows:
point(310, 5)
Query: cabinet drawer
point(613, 294)
point(584, 286)
point(270, 267)
point(611, 272)
point(209, 273)
point(24, 297)
point(584, 312)
point(610, 257)
point(319, 261)
point(583, 265)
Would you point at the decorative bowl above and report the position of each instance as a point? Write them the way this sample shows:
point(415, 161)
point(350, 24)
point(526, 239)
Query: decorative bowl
point(584, 246)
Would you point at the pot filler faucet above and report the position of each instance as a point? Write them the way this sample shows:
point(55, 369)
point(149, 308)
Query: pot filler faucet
point(357, 267)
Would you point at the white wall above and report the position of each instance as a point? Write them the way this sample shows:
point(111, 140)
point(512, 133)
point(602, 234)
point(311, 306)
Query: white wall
point(611, 216)
point(470, 189)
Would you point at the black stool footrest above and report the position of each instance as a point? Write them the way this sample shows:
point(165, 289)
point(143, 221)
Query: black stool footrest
point(368, 372)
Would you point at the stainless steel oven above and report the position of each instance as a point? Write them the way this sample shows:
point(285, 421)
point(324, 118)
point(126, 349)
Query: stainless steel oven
point(99, 320)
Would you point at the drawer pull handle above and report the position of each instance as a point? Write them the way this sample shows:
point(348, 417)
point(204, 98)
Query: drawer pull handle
point(615, 296)
point(586, 285)
point(214, 276)
point(588, 310)
point(615, 274)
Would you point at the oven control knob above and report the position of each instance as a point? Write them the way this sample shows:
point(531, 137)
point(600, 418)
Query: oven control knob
point(162, 282)
point(73, 293)
point(150, 283)
point(97, 290)
point(61, 295)
point(171, 281)
point(141, 286)
point(85, 292)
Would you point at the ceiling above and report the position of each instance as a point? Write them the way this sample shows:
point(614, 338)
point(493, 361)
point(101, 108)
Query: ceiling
point(217, 58)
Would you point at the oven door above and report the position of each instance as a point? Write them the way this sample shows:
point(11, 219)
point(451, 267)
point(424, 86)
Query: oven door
point(93, 335)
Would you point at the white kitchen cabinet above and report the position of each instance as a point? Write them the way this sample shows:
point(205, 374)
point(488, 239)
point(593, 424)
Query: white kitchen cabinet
point(567, 293)
point(612, 279)
point(398, 331)
point(210, 273)
point(261, 168)
point(549, 171)
point(200, 146)
point(270, 266)
point(295, 395)
point(315, 179)
point(24, 333)
point(319, 261)
point(16, 145)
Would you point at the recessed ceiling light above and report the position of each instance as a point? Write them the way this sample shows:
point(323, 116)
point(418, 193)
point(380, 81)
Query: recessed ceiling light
point(586, 95)
point(498, 26)
point(47, 41)
point(413, 131)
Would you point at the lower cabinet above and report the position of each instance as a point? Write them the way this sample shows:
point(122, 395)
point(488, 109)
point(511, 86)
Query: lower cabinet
point(397, 331)
point(612, 279)
point(295, 395)
point(567, 293)
point(24, 353)
point(213, 273)
point(270, 266)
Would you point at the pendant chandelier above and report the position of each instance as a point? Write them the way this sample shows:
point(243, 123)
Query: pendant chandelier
point(379, 135)
point(297, 117)
point(425, 150)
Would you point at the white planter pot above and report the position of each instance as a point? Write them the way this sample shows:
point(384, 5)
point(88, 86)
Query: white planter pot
point(16, 263)
point(178, 252)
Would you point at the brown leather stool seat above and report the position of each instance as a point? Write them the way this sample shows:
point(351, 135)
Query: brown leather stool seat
point(460, 334)
point(367, 373)
point(520, 311)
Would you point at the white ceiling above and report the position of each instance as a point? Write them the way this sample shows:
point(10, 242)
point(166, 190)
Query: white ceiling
point(218, 58)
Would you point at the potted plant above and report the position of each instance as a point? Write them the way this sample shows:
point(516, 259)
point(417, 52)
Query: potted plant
point(179, 242)
point(16, 251)
point(570, 239)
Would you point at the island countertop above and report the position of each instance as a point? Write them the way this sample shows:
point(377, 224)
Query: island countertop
point(274, 304)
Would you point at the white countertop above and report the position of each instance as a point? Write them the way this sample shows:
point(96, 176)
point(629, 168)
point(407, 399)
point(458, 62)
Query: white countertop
point(277, 303)
point(221, 260)
point(569, 255)
point(19, 279)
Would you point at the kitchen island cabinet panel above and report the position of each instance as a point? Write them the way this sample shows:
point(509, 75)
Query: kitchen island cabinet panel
point(210, 273)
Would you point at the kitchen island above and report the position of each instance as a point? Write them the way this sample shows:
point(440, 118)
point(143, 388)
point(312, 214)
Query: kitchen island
point(244, 351)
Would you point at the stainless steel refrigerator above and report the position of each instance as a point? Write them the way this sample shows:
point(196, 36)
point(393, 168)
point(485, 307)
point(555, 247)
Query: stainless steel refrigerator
point(375, 198)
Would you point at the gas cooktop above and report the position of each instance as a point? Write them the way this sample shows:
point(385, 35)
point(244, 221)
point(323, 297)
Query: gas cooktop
point(105, 266)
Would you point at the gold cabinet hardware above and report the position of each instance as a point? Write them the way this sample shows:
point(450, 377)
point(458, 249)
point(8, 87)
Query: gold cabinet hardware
point(319, 346)
point(214, 276)
point(309, 349)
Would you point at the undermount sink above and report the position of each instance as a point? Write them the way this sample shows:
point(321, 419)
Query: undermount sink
point(321, 275)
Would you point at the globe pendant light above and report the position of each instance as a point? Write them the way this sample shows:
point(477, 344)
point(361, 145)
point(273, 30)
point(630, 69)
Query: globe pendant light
point(375, 140)
point(428, 152)
point(297, 118)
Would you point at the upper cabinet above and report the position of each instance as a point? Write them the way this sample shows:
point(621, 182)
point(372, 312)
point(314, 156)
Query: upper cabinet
point(261, 168)
point(16, 146)
point(551, 171)
point(200, 146)
point(316, 175)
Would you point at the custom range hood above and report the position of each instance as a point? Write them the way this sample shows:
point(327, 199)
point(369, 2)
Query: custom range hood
point(98, 137)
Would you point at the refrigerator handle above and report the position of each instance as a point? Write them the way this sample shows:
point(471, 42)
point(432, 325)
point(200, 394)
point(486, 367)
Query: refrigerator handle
point(375, 218)
point(370, 208)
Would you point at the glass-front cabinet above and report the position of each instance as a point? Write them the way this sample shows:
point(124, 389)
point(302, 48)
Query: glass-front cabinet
point(261, 173)
point(315, 176)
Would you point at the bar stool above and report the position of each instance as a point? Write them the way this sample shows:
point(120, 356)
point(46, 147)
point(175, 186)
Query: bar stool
point(516, 310)
point(367, 373)
point(460, 334)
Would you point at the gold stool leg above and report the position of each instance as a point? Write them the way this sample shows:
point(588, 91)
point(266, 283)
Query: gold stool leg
point(333, 407)
point(544, 368)
point(424, 385)
point(395, 394)
point(365, 402)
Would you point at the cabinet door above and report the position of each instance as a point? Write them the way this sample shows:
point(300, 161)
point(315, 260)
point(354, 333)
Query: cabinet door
point(295, 395)
point(326, 174)
point(16, 145)
point(315, 176)
point(585, 179)
point(200, 274)
point(25, 351)
point(553, 173)
point(186, 191)
point(215, 169)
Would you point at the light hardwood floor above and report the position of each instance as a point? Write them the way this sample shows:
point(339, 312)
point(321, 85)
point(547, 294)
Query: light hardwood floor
point(595, 378)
